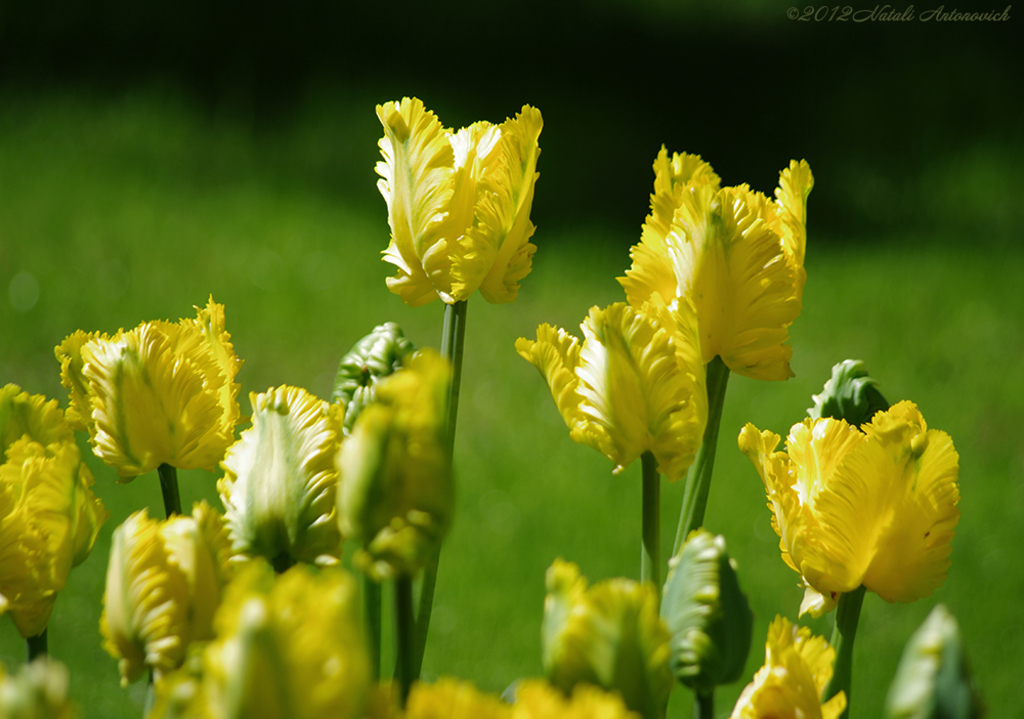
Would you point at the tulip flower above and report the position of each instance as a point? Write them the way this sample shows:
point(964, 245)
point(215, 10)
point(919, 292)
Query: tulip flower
point(536, 699)
point(458, 203)
point(280, 480)
point(49, 516)
point(876, 507)
point(608, 635)
point(164, 584)
point(796, 669)
point(737, 255)
point(395, 492)
point(39, 690)
point(370, 360)
point(289, 647)
point(162, 393)
point(635, 384)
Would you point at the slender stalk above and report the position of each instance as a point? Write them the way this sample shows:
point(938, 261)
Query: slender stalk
point(843, 634)
point(405, 628)
point(704, 705)
point(149, 699)
point(453, 339)
point(169, 487)
point(371, 613)
point(650, 550)
point(36, 645)
point(698, 481)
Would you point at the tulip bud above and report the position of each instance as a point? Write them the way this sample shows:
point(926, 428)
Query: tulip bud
point(371, 359)
point(849, 394)
point(933, 678)
point(395, 492)
point(609, 635)
point(707, 614)
point(279, 483)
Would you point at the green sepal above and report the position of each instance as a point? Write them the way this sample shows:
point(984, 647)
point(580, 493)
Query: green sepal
point(850, 394)
point(372, 358)
point(933, 679)
point(707, 614)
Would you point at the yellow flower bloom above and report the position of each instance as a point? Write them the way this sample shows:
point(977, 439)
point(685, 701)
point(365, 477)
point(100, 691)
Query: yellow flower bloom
point(289, 647)
point(876, 507)
point(737, 255)
point(537, 699)
point(49, 516)
point(164, 584)
point(635, 384)
point(39, 690)
point(458, 203)
point(449, 698)
point(608, 635)
point(280, 480)
point(395, 492)
point(797, 668)
point(162, 393)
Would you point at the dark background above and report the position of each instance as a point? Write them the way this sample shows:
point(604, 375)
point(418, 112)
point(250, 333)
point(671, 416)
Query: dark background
point(911, 127)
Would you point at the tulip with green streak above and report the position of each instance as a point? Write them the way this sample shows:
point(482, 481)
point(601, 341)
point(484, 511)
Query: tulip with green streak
point(370, 360)
point(288, 647)
point(49, 516)
point(279, 480)
point(933, 678)
point(165, 580)
point(160, 394)
point(707, 615)
point(395, 493)
point(608, 635)
point(38, 690)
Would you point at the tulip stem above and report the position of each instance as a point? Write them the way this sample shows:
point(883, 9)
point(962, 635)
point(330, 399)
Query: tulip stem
point(704, 705)
point(36, 645)
point(698, 480)
point(847, 616)
point(169, 487)
point(371, 608)
point(453, 340)
point(650, 550)
point(405, 629)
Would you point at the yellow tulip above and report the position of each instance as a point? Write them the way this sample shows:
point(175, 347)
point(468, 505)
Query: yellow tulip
point(395, 492)
point(537, 699)
point(797, 668)
point(458, 203)
point(875, 507)
point(49, 516)
point(280, 480)
point(608, 635)
point(449, 698)
point(635, 384)
point(288, 647)
point(164, 584)
point(737, 255)
point(162, 393)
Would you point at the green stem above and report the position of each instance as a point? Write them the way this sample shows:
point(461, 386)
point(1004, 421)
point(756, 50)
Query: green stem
point(698, 481)
point(169, 487)
point(704, 705)
point(650, 550)
point(371, 607)
point(843, 634)
point(149, 699)
point(405, 628)
point(453, 340)
point(36, 645)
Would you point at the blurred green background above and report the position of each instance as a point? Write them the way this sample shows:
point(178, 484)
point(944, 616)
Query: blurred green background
point(153, 154)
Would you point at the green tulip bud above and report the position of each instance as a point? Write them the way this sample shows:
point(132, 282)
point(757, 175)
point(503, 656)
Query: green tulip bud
point(849, 394)
point(707, 614)
point(371, 359)
point(38, 690)
point(933, 680)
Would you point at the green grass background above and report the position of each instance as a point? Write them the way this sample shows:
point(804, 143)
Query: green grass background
point(119, 210)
